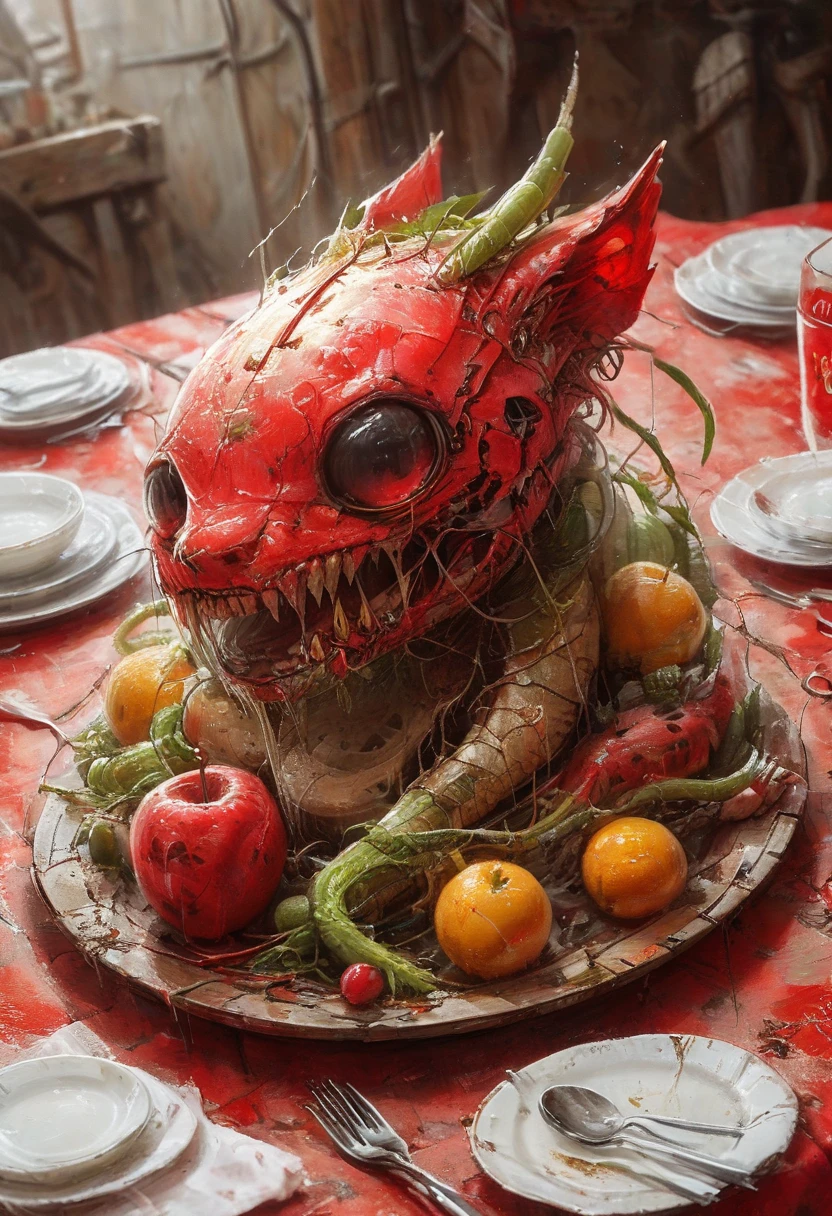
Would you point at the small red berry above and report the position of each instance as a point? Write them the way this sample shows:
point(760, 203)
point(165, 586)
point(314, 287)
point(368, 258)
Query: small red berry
point(361, 984)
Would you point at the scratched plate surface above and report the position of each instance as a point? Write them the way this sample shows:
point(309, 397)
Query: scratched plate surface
point(111, 923)
point(680, 1076)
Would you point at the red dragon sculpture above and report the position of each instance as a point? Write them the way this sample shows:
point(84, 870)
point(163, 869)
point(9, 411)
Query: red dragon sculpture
point(361, 457)
point(388, 459)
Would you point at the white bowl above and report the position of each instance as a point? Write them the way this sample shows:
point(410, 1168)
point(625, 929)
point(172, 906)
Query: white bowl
point(39, 517)
point(65, 1117)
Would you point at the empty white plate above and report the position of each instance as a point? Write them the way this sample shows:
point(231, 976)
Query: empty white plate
point(750, 278)
point(167, 1134)
point(46, 391)
point(795, 500)
point(736, 517)
point(695, 283)
point(62, 1117)
point(39, 516)
point(94, 544)
point(767, 260)
point(661, 1074)
point(128, 558)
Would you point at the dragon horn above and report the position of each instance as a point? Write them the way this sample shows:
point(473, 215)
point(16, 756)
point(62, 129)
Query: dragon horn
point(418, 187)
point(522, 203)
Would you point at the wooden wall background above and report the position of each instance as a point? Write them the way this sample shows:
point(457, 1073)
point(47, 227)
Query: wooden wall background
point(274, 112)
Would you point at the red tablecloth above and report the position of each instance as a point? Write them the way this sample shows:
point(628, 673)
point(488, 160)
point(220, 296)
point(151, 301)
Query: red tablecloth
point(763, 982)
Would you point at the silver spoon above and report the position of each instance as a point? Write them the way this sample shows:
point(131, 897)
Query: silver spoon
point(600, 1111)
point(689, 1184)
point(588, 1116)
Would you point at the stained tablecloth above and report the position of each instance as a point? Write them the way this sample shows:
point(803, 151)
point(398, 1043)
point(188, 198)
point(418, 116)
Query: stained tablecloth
point(764, 981)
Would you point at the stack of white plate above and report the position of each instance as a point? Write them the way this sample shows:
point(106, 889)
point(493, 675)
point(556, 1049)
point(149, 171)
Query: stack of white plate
point(780, 510)
point(749, 279)
point(75, 1128)
point(60, 549)
point(58, 390)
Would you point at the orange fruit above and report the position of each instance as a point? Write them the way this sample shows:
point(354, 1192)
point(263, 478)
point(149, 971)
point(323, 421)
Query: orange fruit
point(493, 918)
point(652, 617)
point(141, 683)
point(634, 867)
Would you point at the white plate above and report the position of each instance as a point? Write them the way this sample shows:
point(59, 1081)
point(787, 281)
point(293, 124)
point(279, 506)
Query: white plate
point(737, 519)
point(738, 291)
point(55, 381)
point(768, 260)
point(52, 391)
point(692, 279)
point(62, 1117)
point(799, 490)
point(168, 1133)
point(128, 560)
point(677, 1075)
point(94, 544)
point(39, 516)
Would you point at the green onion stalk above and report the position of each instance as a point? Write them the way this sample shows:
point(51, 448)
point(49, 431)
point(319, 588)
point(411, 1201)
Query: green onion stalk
point(415, 853)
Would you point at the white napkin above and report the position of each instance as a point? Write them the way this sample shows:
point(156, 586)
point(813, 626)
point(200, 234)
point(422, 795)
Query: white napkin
point(221, 1171)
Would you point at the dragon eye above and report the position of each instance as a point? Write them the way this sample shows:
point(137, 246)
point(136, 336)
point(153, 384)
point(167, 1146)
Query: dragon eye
point(382, 455)
point(165, 499)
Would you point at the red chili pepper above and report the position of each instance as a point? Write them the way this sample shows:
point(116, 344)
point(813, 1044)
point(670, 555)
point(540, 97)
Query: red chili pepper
point(645, 745)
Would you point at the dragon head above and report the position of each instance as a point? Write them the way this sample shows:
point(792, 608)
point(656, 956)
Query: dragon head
point(361, 457)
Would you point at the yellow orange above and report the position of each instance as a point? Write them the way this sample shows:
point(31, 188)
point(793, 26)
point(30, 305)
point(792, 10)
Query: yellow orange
point(634, 867)
point(141, 683)
point(652, 618)
point(493, 918)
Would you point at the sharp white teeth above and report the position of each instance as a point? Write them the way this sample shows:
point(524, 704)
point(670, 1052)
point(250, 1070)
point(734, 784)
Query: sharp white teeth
point(316, 650)
point(401, 579)
point(303, 574)
point(357, 555)
point(248, 603)
point(332, 572)
point(272, 601)
point(339, 620)
point(365, 616)
point(290, 586)
point(349, 567)
point(375, 554)
point(315, 579)
point(237, 605)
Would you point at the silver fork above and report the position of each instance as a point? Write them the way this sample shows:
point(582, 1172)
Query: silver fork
point(363, 1135)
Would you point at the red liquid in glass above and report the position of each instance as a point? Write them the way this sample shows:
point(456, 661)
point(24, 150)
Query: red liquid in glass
point(814, 326)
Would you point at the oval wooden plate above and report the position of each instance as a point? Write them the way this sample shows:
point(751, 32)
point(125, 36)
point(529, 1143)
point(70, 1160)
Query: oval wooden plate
point(111, 924)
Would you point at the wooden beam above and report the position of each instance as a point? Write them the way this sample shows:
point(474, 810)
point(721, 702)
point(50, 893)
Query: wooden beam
point(81, 164)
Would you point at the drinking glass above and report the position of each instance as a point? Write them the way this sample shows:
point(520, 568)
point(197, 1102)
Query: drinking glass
point(814, 335)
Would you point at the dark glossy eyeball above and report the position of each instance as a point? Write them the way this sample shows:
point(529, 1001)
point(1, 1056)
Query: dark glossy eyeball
point(382, 455)
point(165, 499)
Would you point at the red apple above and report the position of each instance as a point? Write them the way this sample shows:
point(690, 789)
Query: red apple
point(208, 864)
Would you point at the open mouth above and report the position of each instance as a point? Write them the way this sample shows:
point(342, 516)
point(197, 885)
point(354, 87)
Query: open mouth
point(336, 612)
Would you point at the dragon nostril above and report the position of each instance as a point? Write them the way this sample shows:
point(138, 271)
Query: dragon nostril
point(165, 499)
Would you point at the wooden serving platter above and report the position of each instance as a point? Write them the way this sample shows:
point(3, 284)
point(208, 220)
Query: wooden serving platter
point(112, 925)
